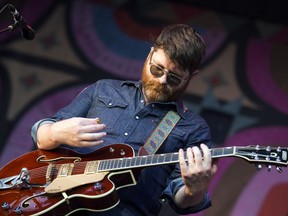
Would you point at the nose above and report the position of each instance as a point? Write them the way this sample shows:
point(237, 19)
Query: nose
point(163, 79)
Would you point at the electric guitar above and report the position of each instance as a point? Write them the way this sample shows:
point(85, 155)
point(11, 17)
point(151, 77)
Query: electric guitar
point(61, 182)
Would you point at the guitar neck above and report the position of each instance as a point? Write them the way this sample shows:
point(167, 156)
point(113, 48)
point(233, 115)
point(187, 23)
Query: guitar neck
point(154, 160)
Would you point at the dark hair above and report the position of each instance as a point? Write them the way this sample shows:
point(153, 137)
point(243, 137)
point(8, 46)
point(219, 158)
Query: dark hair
point(183, 45)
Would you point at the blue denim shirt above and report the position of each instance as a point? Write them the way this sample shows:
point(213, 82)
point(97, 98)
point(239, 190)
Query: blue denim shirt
point(120, 106)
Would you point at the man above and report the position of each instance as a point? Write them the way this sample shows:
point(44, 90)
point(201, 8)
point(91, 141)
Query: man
point(129, 112)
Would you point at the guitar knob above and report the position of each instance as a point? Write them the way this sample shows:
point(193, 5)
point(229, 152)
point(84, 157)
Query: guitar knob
point(259, 167)
point(18, 210)
point(5, 206)
point(122, 152)
point(269, 168)
point(98, 186)
point(279, 169)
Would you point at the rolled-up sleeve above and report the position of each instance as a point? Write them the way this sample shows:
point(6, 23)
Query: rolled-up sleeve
point(38, 124)
point(170, 192)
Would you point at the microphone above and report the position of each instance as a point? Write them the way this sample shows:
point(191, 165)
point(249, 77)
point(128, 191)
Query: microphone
point(27, 32)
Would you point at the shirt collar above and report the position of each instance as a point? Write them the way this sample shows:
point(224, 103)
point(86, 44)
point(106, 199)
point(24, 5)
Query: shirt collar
point(180, 107)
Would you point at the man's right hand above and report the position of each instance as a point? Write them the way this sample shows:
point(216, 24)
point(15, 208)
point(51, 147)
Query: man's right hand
point(76, 131)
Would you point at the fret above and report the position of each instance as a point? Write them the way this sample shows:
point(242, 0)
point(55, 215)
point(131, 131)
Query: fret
point(149, 159)
point(108, 165)
point(221, 152)
point(112, 164)
point(122, 162)
point(125, 162)
point(128, 162)
point(174, 157)
point(105, 165)
point(169, 157)
point(154, 159)
point(143, 160)
point(138, 161)
point(161, 158)
point(133, 162)
point(119, 163)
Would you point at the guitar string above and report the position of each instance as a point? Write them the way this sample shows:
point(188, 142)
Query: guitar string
point(79, 167)
point(108, 164)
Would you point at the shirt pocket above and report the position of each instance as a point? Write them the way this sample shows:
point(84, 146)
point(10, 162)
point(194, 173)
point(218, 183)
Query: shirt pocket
point(174, 141)
point(108, 110)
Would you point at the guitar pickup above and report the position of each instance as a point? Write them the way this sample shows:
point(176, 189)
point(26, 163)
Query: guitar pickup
point(65, 170)
point(91, 167)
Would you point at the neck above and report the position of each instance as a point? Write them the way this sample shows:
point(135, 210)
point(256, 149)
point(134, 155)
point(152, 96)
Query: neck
point(144, 96)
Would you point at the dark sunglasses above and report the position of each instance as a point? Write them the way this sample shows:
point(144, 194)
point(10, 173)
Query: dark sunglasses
point(157, 71)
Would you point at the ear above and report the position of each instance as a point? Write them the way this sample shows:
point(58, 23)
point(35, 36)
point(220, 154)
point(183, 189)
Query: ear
point(149, 54)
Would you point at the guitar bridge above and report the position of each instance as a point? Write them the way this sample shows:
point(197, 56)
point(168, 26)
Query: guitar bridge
point(50, 170)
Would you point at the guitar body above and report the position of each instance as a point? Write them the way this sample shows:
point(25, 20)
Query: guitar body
point(100, 195)
point(62, 182)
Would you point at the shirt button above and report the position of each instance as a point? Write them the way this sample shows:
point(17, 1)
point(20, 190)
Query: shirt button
point(137, 117)
point(153, 105)
point(141, 101)
point(110, 104)
point(126, 134)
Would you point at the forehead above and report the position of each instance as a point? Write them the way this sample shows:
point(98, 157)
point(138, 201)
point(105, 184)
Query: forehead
point(160, 58)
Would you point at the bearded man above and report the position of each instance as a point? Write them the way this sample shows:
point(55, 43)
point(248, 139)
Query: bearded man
point(129, 112)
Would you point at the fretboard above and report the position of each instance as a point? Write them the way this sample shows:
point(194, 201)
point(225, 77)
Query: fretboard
point(154, 160)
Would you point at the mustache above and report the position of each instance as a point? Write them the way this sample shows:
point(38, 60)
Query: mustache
point(157, 87)
point(157, 91)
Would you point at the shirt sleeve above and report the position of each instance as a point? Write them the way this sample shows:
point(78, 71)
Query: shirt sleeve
point(38, 124)
point(78, 107)
point(200, 134)
point(171, 190)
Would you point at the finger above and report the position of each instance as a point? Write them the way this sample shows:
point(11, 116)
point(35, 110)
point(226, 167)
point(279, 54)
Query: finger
point(92, 128)
point(182, 162)
point(93, 136)
point(181, 157)
point(197, 155)
point(90, 121)
point(190, 156)
point(206, 154)
point(214, 168)
point(91, 143)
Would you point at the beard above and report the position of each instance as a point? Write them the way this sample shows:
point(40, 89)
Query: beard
point(157, 92)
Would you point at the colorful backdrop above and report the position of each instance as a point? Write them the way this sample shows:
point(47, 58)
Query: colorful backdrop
point(241, 91)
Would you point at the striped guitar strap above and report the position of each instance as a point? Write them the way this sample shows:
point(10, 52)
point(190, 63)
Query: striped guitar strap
point(160, 134)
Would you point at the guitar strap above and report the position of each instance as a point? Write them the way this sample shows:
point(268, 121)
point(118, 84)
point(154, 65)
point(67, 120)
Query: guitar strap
point(160, 133)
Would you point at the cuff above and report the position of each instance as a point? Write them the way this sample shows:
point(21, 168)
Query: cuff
point(35, 127)
point(169, 193)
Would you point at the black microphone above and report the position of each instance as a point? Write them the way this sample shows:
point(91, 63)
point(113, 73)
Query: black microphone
point(27, 32)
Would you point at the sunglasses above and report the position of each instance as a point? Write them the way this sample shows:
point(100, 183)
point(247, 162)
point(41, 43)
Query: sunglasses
point(157, 71)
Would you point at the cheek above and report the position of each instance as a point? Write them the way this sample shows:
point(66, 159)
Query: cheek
point(147, 77)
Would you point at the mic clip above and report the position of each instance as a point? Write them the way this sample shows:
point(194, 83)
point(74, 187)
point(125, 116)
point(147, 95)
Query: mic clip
point(16, 25)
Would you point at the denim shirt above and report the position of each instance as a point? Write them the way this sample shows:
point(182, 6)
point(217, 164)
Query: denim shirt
point(120, 106)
